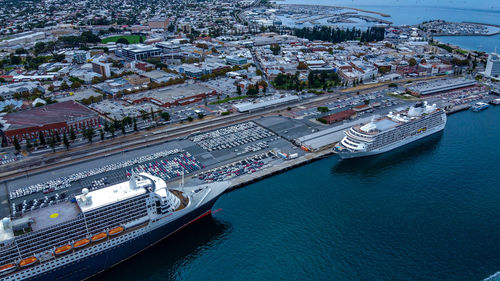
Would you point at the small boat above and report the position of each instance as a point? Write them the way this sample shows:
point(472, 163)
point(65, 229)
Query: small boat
point(27, 261)
point(495, 101)
point(479, 106)
point(8, 268)
point(81, 243)
point(116, 230)
point(63, 249)
point(99, 237)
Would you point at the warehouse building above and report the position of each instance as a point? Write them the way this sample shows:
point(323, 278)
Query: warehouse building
point(51, 119)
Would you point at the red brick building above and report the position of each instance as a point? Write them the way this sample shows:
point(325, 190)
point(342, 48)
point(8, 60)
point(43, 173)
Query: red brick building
point(339, 116)
point(54, 118)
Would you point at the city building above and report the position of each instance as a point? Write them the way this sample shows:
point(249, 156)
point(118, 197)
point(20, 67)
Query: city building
point(135, 79)
point(80, 56)
point(339, 116)
point(236, 60)
point(101, 68)
point(144, 66)
point(8, 91)
point(158, 23)
point(140, 52)
point(53, 118)
point(159, 76)
point(493, 66)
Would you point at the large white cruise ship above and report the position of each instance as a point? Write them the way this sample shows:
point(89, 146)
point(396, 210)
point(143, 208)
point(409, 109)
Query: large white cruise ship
point(391, 131)
point(76, 239)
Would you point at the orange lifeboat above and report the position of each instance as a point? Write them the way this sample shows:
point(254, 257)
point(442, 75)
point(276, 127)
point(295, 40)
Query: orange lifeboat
point(116, 230)
point(27, 261)
point(81, 243)
point(99, 237)
point(63, 249)
point(8, 268)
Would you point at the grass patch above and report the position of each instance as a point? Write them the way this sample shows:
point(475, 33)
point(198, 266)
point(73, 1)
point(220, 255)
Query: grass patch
point(228, 99)
point(132, 39)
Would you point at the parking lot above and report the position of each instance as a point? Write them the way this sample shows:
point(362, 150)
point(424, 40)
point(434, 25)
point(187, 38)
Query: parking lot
point(231, 137)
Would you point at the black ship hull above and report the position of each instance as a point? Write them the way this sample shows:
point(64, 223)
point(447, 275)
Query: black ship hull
point(94, 264)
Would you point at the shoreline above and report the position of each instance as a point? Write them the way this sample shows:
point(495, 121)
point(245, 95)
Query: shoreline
point(342, 7)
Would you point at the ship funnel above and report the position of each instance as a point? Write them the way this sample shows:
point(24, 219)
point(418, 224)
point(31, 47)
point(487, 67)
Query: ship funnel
point(133, 180)
point(86, 199)
point(6, 223)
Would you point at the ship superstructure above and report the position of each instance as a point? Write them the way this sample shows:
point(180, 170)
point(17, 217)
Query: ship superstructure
point(391, 131)
point(76, 239)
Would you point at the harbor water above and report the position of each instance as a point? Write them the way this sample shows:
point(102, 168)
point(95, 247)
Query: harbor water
point(427, 211)
point(406, 12)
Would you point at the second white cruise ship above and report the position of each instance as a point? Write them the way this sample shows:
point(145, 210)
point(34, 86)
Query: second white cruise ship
point(391, 131)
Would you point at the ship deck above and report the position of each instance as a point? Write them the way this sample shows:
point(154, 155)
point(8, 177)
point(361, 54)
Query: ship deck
point(52, 215)
point(184, 200)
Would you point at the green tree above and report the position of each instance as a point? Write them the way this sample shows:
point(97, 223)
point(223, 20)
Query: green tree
point(29, 146)
point(106, 126)
point(15, 59)
point(72, 134)
point(52, 143)
point(412, 62)
point(144, 114)
point(152, 114)
point(190, 118)
point(42, 138)
point(252, 91)
point(64, 86)
point(123, 128)
point(165, 115)
point(89, 134)
point(66, 141)
point(135, 124)
point(58, 138)
point(238, 90)
point(17, 146)
point(112, 130)
point(101, 133)
point(76, 85)
point(275, 48)
point(201, 115)
point(323, 109)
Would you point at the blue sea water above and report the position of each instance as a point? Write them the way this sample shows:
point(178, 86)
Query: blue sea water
point(427, 211)
point(406, 12)
point(481, 43)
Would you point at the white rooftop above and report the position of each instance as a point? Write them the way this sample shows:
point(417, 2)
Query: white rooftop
point(112, 194)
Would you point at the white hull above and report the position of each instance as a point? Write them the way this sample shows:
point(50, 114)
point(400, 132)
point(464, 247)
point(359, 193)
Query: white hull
point(347, 154)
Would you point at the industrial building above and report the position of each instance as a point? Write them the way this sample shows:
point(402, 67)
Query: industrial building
point(53, 118)
point(250, 106)
point(173, 95)
point(435, 87)
point(339, 116)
